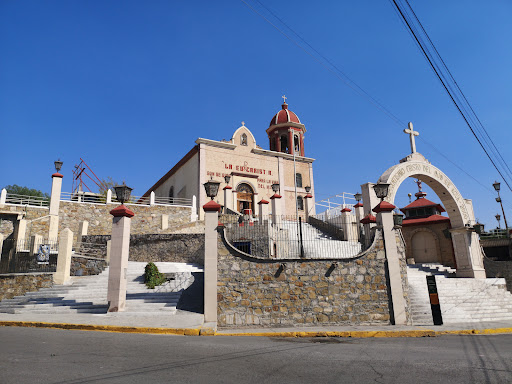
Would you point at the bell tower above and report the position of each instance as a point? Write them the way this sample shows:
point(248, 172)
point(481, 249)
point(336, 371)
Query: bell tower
point(286, 132)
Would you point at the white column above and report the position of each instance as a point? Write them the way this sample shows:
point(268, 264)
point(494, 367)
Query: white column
point(468, 254)
point(211, 220)
point(358, 208)
point(19, 232)
point(276, 209)
point(3, 196)
point(262, 210)
point(347, 224)
point(109, 196)
point(228, 197)
point(109, 247)
point(152, 198)
point(62, 276)
point(116, 295)
point(193, 212)
point(370, 199)
point(308, 199)
point(385, 220)
point(83, 227)
point(53, 232)
point(165, 221)
point(36, 241)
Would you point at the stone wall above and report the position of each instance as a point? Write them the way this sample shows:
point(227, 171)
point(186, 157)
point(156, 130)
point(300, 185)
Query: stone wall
point(178, 248)
point(147, 219)
point(265, 292)
point(499, 269)
point(86, 266)
point(15, 284)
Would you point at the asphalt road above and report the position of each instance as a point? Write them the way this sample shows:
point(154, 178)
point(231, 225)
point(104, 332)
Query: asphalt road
point(57, 356)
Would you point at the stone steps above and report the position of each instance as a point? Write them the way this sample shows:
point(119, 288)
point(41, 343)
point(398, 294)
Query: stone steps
point(88, 294)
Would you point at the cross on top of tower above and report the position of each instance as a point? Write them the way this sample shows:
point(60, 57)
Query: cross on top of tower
point(411, 132)
point(284, 98)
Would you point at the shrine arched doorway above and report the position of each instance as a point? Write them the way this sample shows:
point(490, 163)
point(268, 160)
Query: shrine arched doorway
point(424, 247)
point(466, 244)
point(245, 197)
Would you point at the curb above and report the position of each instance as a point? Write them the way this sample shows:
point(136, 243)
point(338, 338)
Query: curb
point(207, 331)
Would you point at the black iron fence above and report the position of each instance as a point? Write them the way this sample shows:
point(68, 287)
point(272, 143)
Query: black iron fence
point(29, 255)
point(286, 238)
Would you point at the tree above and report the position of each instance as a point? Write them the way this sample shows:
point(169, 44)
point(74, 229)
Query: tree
point(25, 191)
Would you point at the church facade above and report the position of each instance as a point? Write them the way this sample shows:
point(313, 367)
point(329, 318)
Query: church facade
point(251, 170)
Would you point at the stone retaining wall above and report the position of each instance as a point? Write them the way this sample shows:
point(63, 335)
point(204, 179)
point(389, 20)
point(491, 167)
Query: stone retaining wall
point(499, 269)
point(263, 292)
point(86, 266)
point(15, 284)
point(178, 248)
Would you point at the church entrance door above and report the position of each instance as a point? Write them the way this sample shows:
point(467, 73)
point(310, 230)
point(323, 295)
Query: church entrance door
point(245, 197)
point(424, 248)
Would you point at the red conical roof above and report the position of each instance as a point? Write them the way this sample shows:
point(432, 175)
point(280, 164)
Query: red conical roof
point(284, 116)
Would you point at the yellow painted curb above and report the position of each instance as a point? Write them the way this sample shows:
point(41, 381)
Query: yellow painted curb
point(103, 328)
point(207, 331)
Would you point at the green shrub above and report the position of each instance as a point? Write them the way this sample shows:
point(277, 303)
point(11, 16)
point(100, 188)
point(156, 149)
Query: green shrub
point(152, 277)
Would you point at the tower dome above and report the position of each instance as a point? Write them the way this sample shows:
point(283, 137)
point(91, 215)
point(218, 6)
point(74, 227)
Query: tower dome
point(286, 132)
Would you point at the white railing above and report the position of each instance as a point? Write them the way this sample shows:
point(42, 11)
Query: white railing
point(332, 206)
point(110, 198)
point(36, 201)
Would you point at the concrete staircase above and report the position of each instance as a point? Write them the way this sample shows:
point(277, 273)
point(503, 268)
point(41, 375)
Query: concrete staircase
point(88, 294)
point(461, 299)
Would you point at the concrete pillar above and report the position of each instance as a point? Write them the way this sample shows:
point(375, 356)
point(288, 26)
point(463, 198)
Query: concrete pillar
point(116, 295)
point(20, 230)
point(53, 232)
point(165, 221)
point(62, 276)
point(228, 197)
point(276, 208)
point(109, 247)
point(468, 253)
point(308, 199)
point(3, 196)
point(370, 199)
point(211, 220)
point(35, 241)
point(385, 220)
point(83, 227)
point(263, 210)
point(109, 196)
point(347, 223)
point(358, 208)
point(152, 198)
point(193, 212)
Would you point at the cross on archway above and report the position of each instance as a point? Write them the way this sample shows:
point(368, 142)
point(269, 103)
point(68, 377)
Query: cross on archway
point(411, 132)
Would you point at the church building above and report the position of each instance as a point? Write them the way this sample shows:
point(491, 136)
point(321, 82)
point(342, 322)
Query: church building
point(251, 170)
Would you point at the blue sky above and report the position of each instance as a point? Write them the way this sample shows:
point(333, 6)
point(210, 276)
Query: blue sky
point(129, 86)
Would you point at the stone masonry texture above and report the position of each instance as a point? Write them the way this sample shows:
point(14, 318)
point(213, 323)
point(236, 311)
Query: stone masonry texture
point(499, 269)
point(12, 285)
point(267, 292)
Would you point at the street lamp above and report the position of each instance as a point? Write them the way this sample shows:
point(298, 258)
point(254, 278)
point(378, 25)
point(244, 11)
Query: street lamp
point(123, 192)
point(496, 186)
point(381, 190)
point(498, 218)
point(211, 187)
point(227, 178)
point(308, 188)
point(275, 187)
point(58, 165)
point(358, 197)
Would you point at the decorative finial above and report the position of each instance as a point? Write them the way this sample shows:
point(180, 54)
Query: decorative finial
point(418, 183)
point(243, 123)
point(411, 134)
point(420, 194)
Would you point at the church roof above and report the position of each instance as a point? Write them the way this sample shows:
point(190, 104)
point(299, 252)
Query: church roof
point(284, 116)
point(422, 202)
point(425, 220)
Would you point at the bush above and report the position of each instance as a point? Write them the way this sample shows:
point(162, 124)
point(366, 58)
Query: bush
point(153, 277)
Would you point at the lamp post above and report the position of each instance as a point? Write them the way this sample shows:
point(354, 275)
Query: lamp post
point(58, 165)
point(358, 196)
point(496, 186)
point(123, 192)
point(227, 179)
point(211, 187)
point(381, 190)
point(498, 218)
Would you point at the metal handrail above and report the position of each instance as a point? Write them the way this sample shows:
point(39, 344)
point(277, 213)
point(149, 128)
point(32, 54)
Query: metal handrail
point(12, 198)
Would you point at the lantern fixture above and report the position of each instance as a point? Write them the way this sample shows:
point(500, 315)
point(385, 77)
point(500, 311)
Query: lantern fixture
point(275, 187)
point(358, 197)
point(308, 188)
point(398, 219)
point(58, 165)
point(381, 190)
point(123, 192)
point(227, 179)
point(496, 186)
point(211, 187)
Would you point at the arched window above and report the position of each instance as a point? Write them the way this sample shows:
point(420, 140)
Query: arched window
point(300, 203)
point(273, 144)
point(284, 144)
point(296, 143)
point(243, 139)
point(298, 180)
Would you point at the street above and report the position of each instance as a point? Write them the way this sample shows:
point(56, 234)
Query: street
point(30, 355)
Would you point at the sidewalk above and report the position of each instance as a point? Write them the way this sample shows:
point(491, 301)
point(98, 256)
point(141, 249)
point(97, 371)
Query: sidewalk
point(192, 324)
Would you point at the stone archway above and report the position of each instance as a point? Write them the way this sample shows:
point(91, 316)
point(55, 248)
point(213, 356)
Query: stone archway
point(466, 243)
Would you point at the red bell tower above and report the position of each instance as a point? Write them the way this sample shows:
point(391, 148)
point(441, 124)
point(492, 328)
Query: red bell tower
point(286, 132)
